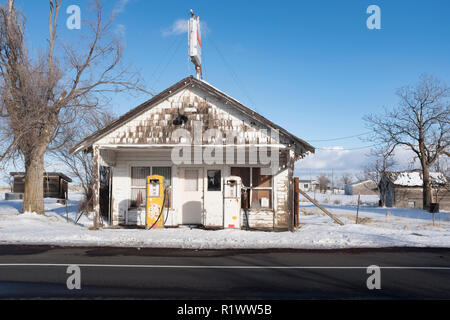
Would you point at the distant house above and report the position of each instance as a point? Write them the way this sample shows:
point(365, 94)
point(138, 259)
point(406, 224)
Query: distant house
point(308, 185)
point(405, 189)
point(55, 184)
point(367, 187)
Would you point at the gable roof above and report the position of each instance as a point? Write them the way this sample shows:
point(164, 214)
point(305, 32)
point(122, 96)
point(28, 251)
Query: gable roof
point(363, 182)
point(46, 174)
point(415, 178)
point(184, 83)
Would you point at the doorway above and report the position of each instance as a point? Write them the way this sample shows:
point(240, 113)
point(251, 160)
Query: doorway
point(213, 201)
point(192, 199)
point(105, 193)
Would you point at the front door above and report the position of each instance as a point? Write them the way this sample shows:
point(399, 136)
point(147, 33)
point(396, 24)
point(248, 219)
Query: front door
point(213, 198)
point(105, 193)
point(192, 196)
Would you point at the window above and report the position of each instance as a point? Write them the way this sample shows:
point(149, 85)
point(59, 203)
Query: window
point(139, 184)
point(214, 180)
point(165, 172)
point(260, 190)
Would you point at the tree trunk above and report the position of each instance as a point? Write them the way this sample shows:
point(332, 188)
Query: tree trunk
point(34, 183)
point(425, 173)
point(427, 199)
point(382, 196)
point(10, 6)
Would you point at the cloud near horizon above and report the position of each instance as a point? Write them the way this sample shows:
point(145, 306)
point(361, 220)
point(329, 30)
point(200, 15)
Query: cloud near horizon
point(333, 158)
point(342, 161)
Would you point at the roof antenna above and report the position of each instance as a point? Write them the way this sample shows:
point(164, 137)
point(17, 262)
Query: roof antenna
point(195, 43)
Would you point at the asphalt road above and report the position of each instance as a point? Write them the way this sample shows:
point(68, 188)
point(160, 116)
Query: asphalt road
point(40, 272)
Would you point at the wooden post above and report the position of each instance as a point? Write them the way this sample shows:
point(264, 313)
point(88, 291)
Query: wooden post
point(48, 186)
point(357, 209)
point(291, 163)
point(328, 213)
point(297, 201)
point(96, 195)
point(67, 210)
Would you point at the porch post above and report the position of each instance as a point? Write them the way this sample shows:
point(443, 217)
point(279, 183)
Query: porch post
point(96, 187)
point(291, 163)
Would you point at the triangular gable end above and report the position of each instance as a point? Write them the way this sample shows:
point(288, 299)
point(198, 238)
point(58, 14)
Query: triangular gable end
point(152, 122)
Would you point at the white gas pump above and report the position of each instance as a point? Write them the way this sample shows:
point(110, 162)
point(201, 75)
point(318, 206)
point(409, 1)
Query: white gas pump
point(232, 203)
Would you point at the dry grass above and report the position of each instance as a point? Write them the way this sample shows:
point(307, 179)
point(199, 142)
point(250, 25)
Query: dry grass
point(317, 212)
point(75, 188)
point(311, 212)
point(363, 221)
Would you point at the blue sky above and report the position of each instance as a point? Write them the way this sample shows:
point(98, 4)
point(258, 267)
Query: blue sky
point(312, 67)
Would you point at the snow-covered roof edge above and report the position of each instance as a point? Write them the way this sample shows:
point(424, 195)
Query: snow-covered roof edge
point(414, 178)
point(362, 182)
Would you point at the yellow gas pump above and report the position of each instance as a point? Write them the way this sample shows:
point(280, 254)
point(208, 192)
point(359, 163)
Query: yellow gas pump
point(155, 202)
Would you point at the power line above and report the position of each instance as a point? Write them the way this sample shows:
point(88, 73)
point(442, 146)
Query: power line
point(176, 44)
point(350, 149)
point(234, 75)
point(343, 138)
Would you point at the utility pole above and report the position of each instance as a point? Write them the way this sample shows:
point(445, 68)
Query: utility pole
point(310, 181)
point(332, 181)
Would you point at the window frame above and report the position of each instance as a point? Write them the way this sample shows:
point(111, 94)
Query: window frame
point(219, 186)
point(252, 188)
point(134, 187)
point(132, 166)
point(261, 188)
point(170, 186)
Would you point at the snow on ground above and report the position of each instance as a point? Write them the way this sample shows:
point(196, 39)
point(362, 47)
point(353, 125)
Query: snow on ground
point(402, 227)
point(3, 190)
point(341, 199)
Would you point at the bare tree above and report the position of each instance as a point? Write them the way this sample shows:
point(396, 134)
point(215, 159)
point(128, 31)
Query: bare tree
point(323, 183)
point(421, 122)
point(442, 165)
point(346, 179)
point(81, 165)
point(40, 96)
point(382, 161)
point(8, 180)
point(441, 188)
